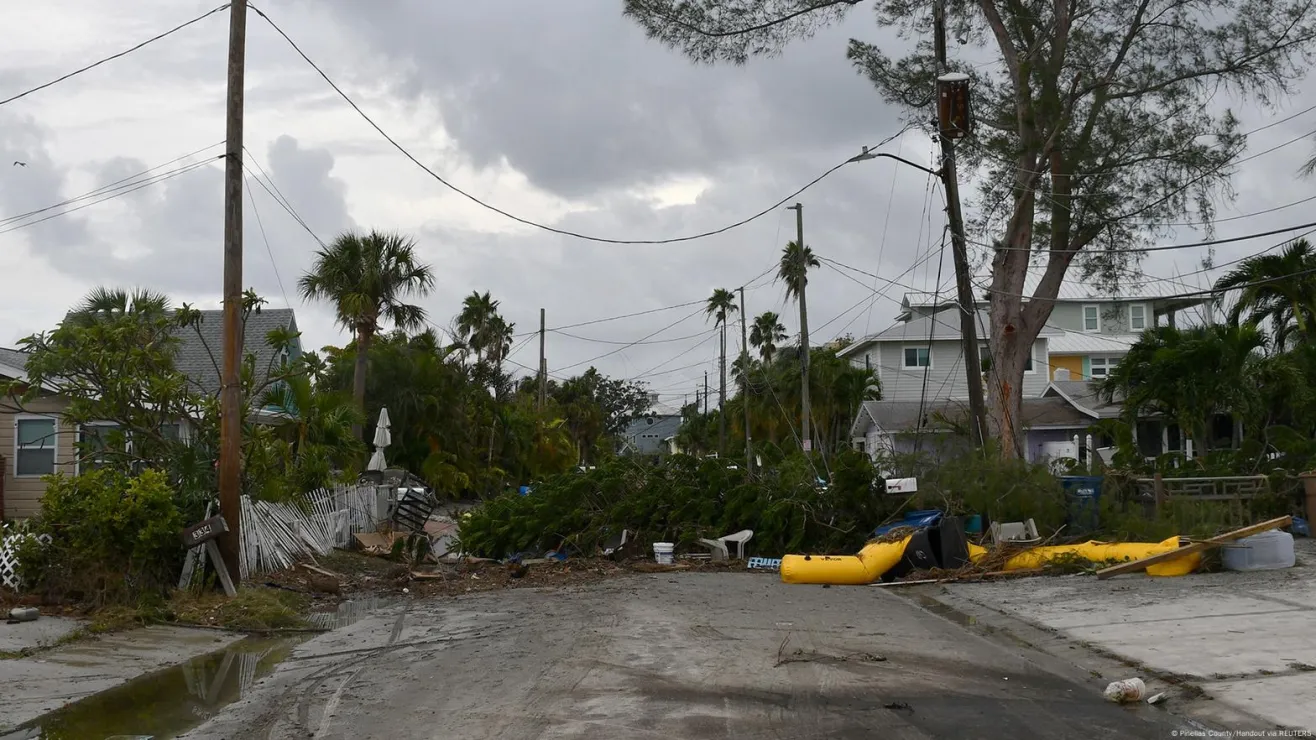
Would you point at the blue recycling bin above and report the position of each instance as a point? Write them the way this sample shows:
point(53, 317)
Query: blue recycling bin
point(1083, 499)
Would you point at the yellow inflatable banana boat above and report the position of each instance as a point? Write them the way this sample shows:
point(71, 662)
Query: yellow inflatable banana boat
point(877, 558)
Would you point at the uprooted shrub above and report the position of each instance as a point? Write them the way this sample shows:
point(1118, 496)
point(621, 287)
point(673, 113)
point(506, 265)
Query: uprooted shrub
point(983, 482)
point(681, 500)
point(113, 539)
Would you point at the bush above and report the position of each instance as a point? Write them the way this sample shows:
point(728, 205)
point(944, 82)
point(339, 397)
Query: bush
point(113, 538)
point(682, 500)
point(1001, 489)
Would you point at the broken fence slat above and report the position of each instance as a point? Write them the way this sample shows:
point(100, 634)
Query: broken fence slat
point(1224, 539)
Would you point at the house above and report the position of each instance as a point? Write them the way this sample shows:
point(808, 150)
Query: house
point(653, 433)
point(922, 357)
point(1100, 329)
point(938, 427)
point(919, 361)
point(36, 440)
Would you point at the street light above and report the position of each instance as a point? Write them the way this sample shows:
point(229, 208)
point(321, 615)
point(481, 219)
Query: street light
point(867, 155)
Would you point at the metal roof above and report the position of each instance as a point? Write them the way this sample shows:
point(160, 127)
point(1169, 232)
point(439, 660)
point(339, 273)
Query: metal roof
point(1082, 343)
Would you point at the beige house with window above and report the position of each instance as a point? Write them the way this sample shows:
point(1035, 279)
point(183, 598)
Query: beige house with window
point(37, 441)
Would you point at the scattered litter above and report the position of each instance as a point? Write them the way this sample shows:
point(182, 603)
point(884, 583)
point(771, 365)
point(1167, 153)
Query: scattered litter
point(1300, 527)
point(1130, 689)
point(24, 614)
point(898, 705)
point(662, 552)
point(1158, 698)
point(765, 563)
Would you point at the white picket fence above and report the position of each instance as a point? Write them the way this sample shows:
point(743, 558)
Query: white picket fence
point(276, 536)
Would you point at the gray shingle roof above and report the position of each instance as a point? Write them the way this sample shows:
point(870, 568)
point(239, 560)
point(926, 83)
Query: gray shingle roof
point(1083, 394)
point(903, 416)
point(200, 349)
point(13, 358)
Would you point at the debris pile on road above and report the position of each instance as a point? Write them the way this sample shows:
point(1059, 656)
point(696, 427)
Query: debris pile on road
point(930, 548)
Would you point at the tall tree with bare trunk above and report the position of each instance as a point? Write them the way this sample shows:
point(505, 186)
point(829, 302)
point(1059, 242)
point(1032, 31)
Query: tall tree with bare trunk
point(1098, 123)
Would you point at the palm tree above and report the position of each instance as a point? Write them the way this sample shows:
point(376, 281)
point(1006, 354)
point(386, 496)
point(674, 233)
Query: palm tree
point(765, 333)
point(1280, 288)
point(474, 321)
point(721, 305)
point(367, 276)
point(793, 270)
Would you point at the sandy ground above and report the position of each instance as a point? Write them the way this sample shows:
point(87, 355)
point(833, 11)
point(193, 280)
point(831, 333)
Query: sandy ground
point(685, 655)
point(1238, 649)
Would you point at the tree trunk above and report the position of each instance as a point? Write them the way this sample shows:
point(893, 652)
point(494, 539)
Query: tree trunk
point(363, 338)
point(722, 398)
point(1011, 344)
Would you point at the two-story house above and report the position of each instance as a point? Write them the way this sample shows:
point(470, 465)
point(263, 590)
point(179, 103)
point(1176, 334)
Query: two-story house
point(36, 440)
point(652, 433)
point(1100, 329)
point(924, 388)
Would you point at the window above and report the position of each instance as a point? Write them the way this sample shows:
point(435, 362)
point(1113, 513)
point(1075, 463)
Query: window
point(918, 357)
point(1091, 318)
point(171, 432)
point(1100, 366)
point(93, 440)
point(34, 452)
point(1137, 317)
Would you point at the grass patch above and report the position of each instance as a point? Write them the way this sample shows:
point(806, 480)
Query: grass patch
point(252, 609)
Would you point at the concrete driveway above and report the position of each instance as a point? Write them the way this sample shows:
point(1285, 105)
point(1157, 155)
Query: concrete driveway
point(1247, 640)
point(663, 656)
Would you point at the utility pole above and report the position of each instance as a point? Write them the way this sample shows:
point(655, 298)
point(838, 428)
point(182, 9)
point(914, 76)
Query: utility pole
point(705, 393)
point(230, 418)
point(953, 122)
point(744, 388)
point(543, 365)
point(805, 443)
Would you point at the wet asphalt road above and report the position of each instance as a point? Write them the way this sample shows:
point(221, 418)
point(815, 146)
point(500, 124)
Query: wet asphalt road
point(674, 656)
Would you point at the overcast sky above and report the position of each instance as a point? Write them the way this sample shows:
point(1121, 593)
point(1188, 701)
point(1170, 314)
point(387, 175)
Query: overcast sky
point(559, 112)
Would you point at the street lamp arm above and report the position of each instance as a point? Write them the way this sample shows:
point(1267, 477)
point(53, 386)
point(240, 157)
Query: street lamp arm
point(866, 155)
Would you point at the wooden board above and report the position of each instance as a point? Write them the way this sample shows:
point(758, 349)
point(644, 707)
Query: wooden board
point(1224, 539)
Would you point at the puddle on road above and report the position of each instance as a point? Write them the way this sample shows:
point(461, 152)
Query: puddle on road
point(170, 702)
point(938, 608)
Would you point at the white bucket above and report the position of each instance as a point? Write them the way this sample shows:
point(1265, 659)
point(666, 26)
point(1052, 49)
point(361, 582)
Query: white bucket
point(662, 552)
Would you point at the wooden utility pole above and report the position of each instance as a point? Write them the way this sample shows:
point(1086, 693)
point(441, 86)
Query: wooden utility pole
point(705, 393)
point(543, 365)
point(744, 387)
point(805, 443)
point(953, 122)
point(230, 395)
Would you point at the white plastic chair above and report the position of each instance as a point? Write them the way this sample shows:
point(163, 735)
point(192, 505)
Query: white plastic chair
point(1015, 533)
point(739, 538)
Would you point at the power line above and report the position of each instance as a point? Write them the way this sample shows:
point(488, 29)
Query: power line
point(268, 250)
point(111, 195)
point(112, 57)
point(528, 222)
point(629, 344)
point(1163, 248)
point(108, 187)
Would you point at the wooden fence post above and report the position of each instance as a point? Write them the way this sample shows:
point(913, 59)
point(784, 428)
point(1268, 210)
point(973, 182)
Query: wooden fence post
point(1159, 489)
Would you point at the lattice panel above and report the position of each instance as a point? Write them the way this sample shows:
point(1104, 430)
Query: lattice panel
point(9, 542)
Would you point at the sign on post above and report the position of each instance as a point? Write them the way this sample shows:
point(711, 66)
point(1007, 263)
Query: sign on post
point(204, 535)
